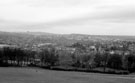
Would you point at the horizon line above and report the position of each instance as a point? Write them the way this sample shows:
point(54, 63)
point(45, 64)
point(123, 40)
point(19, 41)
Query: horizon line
point(64, 33)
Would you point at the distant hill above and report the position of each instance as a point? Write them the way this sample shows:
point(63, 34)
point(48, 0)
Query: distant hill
point(30, 38)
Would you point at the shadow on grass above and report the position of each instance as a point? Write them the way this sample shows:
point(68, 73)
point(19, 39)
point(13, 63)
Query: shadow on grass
point(63, 68)
point(59, 68)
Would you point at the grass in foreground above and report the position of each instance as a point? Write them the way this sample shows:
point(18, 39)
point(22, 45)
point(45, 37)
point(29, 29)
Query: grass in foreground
point(37, 75)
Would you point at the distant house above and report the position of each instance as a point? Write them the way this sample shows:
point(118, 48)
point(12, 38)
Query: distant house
point(92, 48)
point(6, 45)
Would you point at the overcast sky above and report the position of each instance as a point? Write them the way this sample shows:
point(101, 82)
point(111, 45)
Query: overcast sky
point(98, 17)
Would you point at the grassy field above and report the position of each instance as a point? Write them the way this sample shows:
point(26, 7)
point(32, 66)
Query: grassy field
point(37, 75)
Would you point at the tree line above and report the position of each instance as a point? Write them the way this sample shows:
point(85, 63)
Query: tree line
point(15, 56)
point(52, 57)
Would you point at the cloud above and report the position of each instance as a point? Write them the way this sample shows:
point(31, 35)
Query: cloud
point(114, 16)
point(57, 3)
point(55, 10)
point(68, 16)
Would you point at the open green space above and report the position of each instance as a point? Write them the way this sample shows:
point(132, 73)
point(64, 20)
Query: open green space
point(38, 75)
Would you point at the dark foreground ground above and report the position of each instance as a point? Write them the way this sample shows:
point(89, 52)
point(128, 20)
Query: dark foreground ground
point(37, 75)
